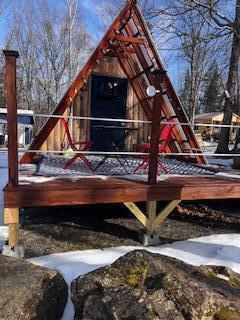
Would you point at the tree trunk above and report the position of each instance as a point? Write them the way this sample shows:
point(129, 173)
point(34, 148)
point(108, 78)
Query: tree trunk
point(231, 84)
point(237, 141)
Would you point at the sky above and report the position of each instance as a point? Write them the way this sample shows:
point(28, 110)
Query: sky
point(92, 17)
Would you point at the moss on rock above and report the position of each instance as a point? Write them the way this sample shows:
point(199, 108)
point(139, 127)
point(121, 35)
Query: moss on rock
point(226, 314)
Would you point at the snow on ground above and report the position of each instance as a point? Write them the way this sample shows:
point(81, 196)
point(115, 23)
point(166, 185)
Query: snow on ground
point(3, 236)
point(220, 161)
point(210, 147)
point(222, 250)
point(3, 181)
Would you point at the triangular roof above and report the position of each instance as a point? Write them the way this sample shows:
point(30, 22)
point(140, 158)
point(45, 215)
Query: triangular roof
point(129, 39)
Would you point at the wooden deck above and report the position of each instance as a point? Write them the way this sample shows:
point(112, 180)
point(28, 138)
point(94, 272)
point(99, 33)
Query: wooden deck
point(63, 192)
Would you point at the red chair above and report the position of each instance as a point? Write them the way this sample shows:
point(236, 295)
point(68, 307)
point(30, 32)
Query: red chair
point(165, 137)
point(86, 146)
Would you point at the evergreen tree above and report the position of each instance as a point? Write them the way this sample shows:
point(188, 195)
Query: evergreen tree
point(212, 98)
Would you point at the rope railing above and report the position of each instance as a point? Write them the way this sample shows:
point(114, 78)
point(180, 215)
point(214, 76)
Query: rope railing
point(93, 119)
point(207, 154)
point(138, 121)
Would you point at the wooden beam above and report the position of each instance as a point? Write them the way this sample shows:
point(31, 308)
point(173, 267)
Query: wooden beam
point(126, 49)
point(135, 66)
point(64, 192)
point(13, 234)
point(11, 57)
point(164, 214)
point(137, 213)
point(145, 71)
point(153, 221)
point(11, 217)
point(121, 49)
point(151, 207)
point(154, 142)
point(128, 39)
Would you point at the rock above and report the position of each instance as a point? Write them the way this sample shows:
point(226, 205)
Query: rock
point(142, 285)
point(30, 292)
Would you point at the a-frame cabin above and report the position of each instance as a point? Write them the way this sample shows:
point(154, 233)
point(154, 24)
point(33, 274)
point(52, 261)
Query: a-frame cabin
point(127, 51)
point(126, 58)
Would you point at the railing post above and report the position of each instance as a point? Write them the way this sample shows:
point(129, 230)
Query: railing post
point(154, 143)
point(11, 57)
point(155, 132)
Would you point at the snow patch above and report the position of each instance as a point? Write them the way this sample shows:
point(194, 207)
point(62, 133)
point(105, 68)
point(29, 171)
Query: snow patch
point(223, 277)
point(3, 236)
point(3, 181)
point(221, 162)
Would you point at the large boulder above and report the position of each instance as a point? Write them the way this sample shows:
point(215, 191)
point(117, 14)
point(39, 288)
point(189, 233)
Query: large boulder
point(30, 292)
point(142, 285)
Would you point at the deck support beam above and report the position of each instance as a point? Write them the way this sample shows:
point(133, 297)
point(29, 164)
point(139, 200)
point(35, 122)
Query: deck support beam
point(151, 220)
point(151, 208)
point(13, 249)
point(163, 214)
point(11, 217)
point(137, 213)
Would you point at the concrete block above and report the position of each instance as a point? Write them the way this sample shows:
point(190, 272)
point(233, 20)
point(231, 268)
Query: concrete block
point(16, 252)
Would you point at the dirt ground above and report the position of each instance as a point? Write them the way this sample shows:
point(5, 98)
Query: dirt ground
point(50, 230)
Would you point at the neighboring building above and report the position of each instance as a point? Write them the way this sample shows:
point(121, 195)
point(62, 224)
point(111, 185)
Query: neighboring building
point(3, 124)
point(25, 121)
point(211, 118)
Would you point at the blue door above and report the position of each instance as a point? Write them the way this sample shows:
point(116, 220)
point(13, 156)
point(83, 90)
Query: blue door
point(108, 100)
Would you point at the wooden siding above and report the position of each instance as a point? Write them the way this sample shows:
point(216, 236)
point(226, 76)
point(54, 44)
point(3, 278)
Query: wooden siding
point(81, 106)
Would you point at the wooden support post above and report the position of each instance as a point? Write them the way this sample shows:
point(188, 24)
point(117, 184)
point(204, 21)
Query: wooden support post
point(11, 217)
point(163, 214)
point(137, 213)
point(151, 220)
point(13, 237)
point(11, 57)
point(151, 210)
point(154, 143)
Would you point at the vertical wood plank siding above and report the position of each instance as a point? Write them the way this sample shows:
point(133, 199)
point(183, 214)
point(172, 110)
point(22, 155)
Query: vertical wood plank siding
point(109, 66)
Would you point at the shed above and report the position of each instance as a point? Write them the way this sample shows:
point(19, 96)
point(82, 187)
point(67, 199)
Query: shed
point(25, 122)
point(207, 120)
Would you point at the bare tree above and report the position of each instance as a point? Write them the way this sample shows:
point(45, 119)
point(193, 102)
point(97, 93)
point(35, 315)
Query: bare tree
point(4, 14)
point(52, 43)
point(224, 22)
point(194, 48)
